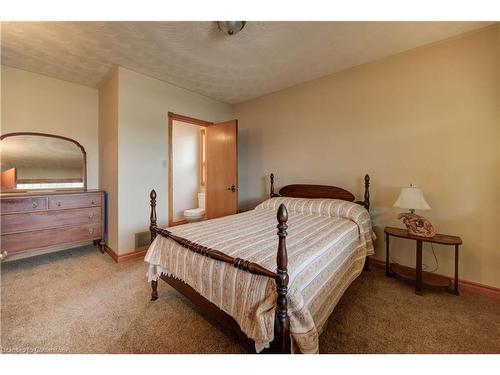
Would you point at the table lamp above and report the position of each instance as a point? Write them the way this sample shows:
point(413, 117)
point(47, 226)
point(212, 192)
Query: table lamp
point(413, 199)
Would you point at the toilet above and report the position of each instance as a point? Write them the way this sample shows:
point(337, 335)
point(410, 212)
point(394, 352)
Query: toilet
point(196, 214)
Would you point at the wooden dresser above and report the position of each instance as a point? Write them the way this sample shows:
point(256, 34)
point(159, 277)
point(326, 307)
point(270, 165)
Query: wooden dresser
point(42, 222)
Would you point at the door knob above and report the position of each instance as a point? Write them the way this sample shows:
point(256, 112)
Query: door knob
point(232, 188)
point(3, 255)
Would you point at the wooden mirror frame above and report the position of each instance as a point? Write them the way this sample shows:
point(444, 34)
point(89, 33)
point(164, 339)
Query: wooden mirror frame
point(84, 153)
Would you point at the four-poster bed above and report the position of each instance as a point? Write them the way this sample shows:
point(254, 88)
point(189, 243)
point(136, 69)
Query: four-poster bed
point(314, 203)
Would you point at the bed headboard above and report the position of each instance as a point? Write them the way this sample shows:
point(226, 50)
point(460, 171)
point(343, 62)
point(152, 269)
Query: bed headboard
point(321, 191)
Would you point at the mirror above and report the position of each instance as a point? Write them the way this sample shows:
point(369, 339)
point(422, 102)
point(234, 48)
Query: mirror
point(32, 161)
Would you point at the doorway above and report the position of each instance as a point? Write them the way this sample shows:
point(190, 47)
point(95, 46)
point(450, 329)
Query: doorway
point(187, 165)
point(203, 169)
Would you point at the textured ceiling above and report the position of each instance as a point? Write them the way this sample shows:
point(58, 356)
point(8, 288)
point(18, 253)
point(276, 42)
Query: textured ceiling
point(264, 57)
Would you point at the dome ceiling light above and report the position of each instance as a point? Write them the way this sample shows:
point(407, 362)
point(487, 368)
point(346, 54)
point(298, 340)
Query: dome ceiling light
point(231, 27)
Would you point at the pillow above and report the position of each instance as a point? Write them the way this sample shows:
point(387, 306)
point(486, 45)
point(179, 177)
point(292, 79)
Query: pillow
point(326, 207)
point(318, 206)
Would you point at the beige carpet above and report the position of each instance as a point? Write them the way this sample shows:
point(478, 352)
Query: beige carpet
point(80, 301)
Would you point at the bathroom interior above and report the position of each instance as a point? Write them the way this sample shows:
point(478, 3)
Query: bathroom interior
point(188, 172)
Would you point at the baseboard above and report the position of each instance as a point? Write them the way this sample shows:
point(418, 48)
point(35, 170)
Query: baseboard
point(140, 252)
point(470, 286)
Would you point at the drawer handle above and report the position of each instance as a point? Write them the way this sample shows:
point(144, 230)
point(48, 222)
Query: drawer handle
point(34, 205)
point(91, 215)
point(59, 204)
point(3, 255)
point(91, 230)
point(93, 202)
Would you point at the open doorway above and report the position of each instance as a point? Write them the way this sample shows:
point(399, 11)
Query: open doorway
point(203, 169)
point(187, 169)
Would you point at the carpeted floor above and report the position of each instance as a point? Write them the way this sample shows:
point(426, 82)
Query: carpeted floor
point(80, 301)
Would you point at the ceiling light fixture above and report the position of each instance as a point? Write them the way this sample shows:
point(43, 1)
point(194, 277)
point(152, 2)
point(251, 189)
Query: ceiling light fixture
point(231, 27)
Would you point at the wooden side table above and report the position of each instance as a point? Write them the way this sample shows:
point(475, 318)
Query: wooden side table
point(421, 278)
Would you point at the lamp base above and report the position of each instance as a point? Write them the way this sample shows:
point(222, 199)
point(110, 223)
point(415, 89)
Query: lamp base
point(417, 225)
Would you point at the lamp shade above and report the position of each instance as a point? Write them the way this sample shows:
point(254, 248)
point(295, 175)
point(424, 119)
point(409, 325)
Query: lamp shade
point(412, 198)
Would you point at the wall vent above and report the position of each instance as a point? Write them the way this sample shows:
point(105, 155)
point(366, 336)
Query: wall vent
point(142, 239)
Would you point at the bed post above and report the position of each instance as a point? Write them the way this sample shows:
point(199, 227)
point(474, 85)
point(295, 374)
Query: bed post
point(272, 185)
point(152, 216)
point(366, 203)
point(152, 229)
point(282, 343)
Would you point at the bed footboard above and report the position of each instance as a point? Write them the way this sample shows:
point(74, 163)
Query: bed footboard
point(282, 340)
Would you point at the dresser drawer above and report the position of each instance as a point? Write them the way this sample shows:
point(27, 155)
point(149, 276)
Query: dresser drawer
point(23, 204)
point(49, 219)
point(19, 242)
point(74, 201)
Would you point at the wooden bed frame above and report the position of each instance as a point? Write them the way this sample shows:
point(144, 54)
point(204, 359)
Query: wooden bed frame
point(282, 340)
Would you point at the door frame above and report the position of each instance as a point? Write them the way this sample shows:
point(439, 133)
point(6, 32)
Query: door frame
point(190, 120)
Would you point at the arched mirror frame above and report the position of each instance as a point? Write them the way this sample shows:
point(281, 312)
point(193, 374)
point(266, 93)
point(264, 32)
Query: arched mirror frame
point(84, 153)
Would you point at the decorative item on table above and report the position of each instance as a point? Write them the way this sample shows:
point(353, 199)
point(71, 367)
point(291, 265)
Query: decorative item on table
point(413, 199)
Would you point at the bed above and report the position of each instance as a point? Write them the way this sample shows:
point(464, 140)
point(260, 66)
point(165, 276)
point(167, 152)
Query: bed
point(277, 301)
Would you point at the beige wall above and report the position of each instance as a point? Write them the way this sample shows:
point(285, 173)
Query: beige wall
point(185, 167)
point(108, 151)
point(37, 103)
point(144, 103)
point(430, 117)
